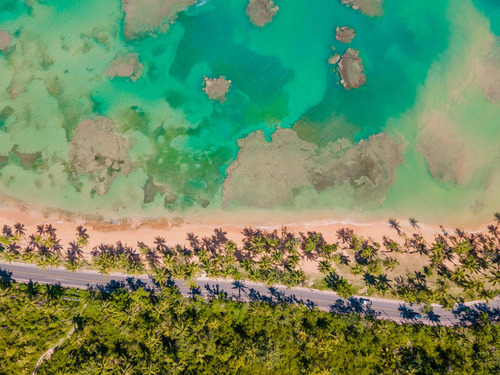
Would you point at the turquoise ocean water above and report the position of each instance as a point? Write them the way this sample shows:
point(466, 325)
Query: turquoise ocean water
point(419, 58)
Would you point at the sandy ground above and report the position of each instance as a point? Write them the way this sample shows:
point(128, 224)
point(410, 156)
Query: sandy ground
point(175, 231)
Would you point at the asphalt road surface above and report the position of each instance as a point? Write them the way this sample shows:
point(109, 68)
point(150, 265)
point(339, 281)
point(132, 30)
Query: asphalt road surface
point(247, 291)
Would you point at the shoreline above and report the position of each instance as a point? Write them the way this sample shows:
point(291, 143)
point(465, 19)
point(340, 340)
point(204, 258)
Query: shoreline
point(175, 229)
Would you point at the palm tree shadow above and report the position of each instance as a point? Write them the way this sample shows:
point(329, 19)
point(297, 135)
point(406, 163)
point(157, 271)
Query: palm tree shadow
point(406, 312)
point(194, 291)
point(476, 314)
point(129, 284)
point(352, 305)
point(275, 296)
point(240, 287)
point(5, 278)
point(432, 317)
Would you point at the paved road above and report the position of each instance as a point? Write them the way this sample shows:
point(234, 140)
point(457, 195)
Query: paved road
point(246, 291)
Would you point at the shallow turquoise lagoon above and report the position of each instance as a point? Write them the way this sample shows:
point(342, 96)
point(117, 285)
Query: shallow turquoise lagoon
point(420, 138)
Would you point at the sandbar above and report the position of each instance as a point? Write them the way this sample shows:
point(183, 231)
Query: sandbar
point(443, 148)
point(488, 75)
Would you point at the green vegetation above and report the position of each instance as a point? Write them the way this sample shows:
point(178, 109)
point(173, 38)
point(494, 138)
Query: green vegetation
point(448, 270)
point(32, 319)
point(161, 332)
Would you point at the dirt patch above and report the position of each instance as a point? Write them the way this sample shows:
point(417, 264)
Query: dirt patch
point(98, 151)
point(147, 17)
point(443, 148)
point(372, 8)
point(125, 66)
point(4, 40)
point(351, 70)
point(216, 88)
point(261, 12)
point(345, 34)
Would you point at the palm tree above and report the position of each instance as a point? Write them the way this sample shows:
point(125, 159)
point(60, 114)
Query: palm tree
point(357, 270)
point(256, 245)
point(265, 263)
point(153, 259)
point(437, 254)
point(14, 249)
point(329, 249)
point(246, 264)
point(470, 264)
point(73, 265)
point(487, 294)
point(495, 277)
point(447, 303)
point(383, 283)
point(390, 263)
point(324, 267)
point(169, 260)
point(161, 275)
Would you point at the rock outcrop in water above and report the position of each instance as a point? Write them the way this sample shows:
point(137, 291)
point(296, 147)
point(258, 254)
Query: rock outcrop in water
point(351, 70)
point(261, 12)
point(443, 148)
point(372, 8)
point(98, 151)
point(147, 17)
point(4, 40)
point(217, 88)
point(125, 66)
point(267, 174)
point(333, 60)
point(345, 34)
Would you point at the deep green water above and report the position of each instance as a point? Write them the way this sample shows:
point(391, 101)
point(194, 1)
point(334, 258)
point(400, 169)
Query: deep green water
point(413, 59)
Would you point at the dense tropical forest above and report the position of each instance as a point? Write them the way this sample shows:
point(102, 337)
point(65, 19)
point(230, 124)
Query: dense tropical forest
point(452, 268)
point(137, 330)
